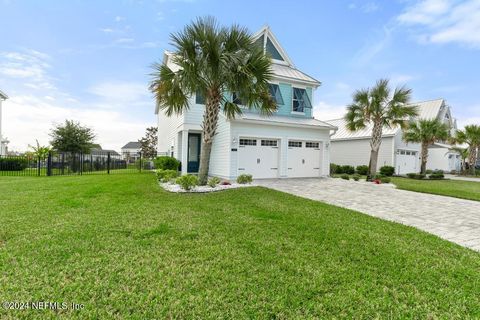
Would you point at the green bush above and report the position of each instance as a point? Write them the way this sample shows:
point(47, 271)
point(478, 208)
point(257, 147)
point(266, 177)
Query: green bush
point(13, 164)
point(362, 170)
point(166, 163)
point(166, 175)
point(244, 178)
point(345, 176)
point(436, 176)
point(385, 179)
point(428, 171)
point(387, 171)
point(348, 169)
point(334, 168)
point(418, 176)
point(187, 182)
point(356, 177)
point(213, 182)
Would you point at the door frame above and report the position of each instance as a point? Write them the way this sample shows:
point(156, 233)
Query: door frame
point(199, 135)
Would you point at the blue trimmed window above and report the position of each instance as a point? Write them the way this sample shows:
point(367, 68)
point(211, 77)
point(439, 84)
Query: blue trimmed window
point(276, 93)
point(199, 98)
point(270, 48)
point(300, 100)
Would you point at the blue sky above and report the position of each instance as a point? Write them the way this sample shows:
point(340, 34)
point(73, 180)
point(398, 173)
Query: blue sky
point(90, 60)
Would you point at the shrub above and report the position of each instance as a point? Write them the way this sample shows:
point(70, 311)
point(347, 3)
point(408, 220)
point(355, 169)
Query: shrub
point(418, 176)
point(334, 168)
point(385, 179)
point(213, 182)
point(348, 169)
point(187, 182)
point(387, 171)
point(166, 175)
point(13, 164)
point(356, 177)
point(428, 171)
point(244, 178)
point(166, 163)
point(345, 176)
point(437, 172)
point(362, 170)
point(436, 176)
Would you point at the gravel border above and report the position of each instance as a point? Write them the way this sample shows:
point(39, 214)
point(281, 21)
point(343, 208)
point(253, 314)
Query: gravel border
point(175, 188)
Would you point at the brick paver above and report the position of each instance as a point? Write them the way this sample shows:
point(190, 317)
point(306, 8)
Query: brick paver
point(450, 218)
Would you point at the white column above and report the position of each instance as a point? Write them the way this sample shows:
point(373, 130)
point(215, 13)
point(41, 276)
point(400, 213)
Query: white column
point(283, 157)
point(184, 154)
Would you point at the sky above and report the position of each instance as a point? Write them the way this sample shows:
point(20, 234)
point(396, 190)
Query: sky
point(90, 61)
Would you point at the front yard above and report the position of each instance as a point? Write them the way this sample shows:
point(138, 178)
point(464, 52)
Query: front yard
point(127, 249)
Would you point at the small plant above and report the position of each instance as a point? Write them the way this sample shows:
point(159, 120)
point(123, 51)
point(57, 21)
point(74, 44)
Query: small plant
point(334, 168)
point(356, 177)
point(166, 163)
point(436, 176)
point(348, 169)
point(187, 182)
point(387, 171)
point(166, 175)
point(418, 176)
point(345, 176)
point(362, 170)
point(213, 182)
point(429, 171)
point(244, 178)
point(385, 179)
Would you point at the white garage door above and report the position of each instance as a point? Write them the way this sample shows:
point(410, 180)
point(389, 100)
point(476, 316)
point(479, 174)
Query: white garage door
point(406, 161)
point(303, 159)
point(258, 157)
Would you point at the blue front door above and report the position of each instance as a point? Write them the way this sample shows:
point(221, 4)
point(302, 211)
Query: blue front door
point(193, 156)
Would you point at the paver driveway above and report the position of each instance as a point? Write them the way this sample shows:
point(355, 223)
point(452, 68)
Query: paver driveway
point(452, 219)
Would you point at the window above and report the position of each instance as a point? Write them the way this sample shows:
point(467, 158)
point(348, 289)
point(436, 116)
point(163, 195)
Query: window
point(312, 144)
point(248, 142)
point(199, 98)
point(270, 48)
point(295, 144)
point(269, 143)
point(236, 99)
point(301, 101)
point(275, 93)
point(402, 151)
point(259, 41)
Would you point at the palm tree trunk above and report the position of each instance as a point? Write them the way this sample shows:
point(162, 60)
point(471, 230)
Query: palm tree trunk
point(209, 126)
point(472, 159)
point(375, 143)
point(424, 156)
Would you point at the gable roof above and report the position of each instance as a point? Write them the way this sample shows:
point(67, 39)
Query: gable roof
point(3, 95)
point(132, 145)
point(429, 109)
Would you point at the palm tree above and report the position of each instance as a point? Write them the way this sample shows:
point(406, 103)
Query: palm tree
point(425, 132)
point(378, 107)
point(471, 136)
point(213, 60)
point(463, 152)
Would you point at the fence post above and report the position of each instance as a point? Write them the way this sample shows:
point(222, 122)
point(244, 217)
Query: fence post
point(38, 166)
point(49, 164)
point(81, 163)
point(108, 162)
point(141, 164)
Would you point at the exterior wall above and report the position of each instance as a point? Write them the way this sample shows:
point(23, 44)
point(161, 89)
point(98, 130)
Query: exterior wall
point(220, 156)
point(167, 132)
point(2, 147)
point(283, 133)
point(356, 152)
point(438, 159)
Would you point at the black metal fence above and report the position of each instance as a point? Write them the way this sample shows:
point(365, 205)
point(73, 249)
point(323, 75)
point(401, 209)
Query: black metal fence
point(68, 163)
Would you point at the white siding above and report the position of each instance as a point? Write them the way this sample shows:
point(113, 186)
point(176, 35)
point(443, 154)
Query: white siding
point(438, 159)
point(167, 132)
point(220, 156)
point(356, 152)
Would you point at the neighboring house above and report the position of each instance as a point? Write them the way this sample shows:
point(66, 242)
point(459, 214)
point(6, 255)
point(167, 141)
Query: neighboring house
point(131, 151)
point(3, 141)
point(290, 143)
point(353, 148)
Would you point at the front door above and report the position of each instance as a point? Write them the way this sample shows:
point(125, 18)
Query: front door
point(193, 156)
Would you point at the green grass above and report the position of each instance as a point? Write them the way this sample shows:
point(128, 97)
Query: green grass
point(128, 250)
point(452, 188)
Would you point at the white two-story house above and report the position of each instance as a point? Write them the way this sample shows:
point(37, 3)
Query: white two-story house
point(290, 143)
point(3, 141)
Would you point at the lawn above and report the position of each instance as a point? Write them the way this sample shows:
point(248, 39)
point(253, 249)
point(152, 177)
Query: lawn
point(124, 248)
point(452, 188)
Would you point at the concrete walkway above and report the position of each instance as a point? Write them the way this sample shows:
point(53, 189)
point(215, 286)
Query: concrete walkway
point(452, 219)
point(454, 177)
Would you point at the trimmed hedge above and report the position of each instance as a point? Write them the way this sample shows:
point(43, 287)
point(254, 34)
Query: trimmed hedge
point(13, 164)
point(362, 170)
point(418, 176)
point(244, 178)
point(166, 163)
point(436, 176)
point(387, 171)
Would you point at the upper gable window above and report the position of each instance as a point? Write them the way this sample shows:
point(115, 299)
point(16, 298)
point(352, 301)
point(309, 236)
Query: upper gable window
point(236, 99)
point(259, 41)
point(275, 93)
point(199, 98)
point(300, 100)
point(270, 48)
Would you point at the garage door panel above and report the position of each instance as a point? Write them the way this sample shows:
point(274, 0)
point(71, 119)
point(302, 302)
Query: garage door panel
point(259, 158)
point(303, 161)
point(406, 161)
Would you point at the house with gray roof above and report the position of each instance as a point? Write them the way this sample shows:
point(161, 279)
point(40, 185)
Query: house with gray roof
point(131, 151)
point(3, 140)
point(353, 148)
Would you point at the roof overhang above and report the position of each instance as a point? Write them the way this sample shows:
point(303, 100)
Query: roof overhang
point(390, 135)
point(3, 95)
point(287, 122)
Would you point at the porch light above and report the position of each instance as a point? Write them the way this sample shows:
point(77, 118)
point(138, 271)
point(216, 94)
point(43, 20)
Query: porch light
point(234, 140)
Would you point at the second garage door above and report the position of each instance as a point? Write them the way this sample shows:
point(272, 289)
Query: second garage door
point(406, 162)
point(258, 157)
point(303, 159)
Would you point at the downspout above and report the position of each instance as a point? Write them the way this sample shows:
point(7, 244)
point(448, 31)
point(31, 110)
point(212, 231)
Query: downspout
point(329, 147)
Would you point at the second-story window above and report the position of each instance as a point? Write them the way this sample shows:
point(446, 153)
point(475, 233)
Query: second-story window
point(199, 98)
point(236, 99)
point(300, 100)
point(275, 93)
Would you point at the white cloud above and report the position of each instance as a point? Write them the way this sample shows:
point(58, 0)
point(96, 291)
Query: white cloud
point(325, 111)
point(370, 7)
point(121, 92)
point(107, 30)
point(125, 40)
point(444, 21)
point(119, 18)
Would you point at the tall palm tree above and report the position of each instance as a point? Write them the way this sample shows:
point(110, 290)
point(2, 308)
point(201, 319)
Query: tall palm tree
point(213, 60)
point(379, 107)
point(471, 136)
point(425, 132)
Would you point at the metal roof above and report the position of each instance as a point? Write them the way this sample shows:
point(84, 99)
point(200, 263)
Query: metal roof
point(344, 134)
point(284, 120)
point(132, 145)
point(291, 73)
point(3, 95)
point(430, 109)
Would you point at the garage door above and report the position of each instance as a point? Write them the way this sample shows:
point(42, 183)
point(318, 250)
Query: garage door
point(303, 159)
point(258, 157)
point(406, 161)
